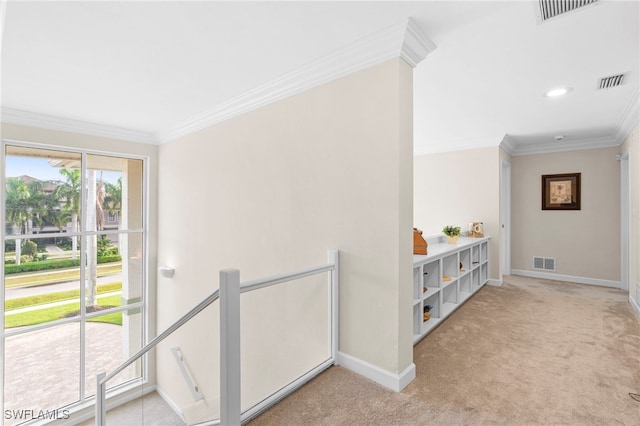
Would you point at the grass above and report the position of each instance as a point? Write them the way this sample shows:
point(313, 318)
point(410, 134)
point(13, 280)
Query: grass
point(113, 318)
point(40, 316)
point(41, 299)
point(50, 277)
point(57, 312)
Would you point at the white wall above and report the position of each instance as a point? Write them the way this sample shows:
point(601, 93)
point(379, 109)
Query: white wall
point(632, 147)
point(458, 187)
point(269, 192)
point(586, 242)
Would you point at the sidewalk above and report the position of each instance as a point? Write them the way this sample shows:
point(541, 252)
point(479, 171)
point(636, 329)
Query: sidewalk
point(25, 291)
point(53, 249)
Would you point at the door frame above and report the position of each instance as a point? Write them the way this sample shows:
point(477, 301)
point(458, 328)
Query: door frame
point(505, 217)
point(625, 225)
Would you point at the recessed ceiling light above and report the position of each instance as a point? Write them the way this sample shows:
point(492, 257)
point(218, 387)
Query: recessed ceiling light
point(559, 91)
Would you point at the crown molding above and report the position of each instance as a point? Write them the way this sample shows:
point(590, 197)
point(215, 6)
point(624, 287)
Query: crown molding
point(464, 145)
point(629, 119)
point(415, 45)
point(550, 147)
point(404, 40)
point(508, 144)
point(45, 121)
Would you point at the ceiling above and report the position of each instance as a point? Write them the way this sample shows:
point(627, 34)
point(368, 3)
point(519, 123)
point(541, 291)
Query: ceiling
point(148, 69)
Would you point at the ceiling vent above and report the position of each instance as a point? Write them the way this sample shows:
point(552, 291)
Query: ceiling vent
point(547, 9)
point(611, 81)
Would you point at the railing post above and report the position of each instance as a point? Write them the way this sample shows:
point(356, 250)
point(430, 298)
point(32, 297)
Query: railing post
point(101, 409)
point(333, 256)
point(230, 411)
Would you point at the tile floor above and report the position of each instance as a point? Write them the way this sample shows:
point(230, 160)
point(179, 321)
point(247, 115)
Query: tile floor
point(42, 367)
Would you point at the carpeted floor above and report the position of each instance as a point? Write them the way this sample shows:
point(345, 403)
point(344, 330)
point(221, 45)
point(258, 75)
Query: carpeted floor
point(532, 352)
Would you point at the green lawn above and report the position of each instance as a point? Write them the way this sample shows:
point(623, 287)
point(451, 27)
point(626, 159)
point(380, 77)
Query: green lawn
point(56, 312)
point(41, 299)
point(55, 276)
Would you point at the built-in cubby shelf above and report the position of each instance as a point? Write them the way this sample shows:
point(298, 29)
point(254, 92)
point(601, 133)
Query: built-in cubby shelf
point(445, 278)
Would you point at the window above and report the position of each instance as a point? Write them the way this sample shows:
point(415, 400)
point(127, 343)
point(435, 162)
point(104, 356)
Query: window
point(112, 217)
point(73, 283)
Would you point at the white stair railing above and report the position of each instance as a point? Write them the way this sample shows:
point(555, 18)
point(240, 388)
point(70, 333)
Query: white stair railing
point(230, 350)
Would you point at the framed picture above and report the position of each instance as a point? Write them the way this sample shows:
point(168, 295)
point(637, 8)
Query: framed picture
point(561, 192)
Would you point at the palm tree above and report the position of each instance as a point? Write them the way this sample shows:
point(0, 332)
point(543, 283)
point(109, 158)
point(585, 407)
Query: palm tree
point(25, 204)
point(16, 208)
point(69, 193)
point(113, 200)
point(60, 218)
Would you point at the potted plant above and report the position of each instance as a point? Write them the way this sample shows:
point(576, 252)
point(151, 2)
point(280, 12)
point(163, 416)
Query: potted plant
point(452, 233)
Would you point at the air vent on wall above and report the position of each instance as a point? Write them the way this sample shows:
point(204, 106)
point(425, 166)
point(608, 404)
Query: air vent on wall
point(547, 9)
point(544, 263)
point(611, 81)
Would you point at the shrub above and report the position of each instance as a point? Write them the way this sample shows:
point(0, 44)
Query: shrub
point(53, 264)
point(10, 245)
point(109, 258)
point(65, 243)
point(30, 249)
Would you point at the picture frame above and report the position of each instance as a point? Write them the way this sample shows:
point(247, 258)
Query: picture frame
point(561, 191)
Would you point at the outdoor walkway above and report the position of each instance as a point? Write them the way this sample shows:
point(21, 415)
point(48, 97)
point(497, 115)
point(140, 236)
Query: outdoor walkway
point(42, 368)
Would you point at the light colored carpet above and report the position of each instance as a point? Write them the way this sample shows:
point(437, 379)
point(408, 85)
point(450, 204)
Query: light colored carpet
point(532, 352)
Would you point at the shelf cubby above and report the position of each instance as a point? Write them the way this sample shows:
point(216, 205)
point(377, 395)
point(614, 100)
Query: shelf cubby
point(475, 256)
point(446, 296)
point(430, 292)
point(434, 301)
point(465, 259)
point(464, 286)
point(484, 256)
point(431, 274)
point(450, 266)
point(475, 278)
point(450, 294)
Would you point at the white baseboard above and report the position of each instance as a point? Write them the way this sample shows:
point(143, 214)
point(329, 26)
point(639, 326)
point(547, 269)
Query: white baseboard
point(569, 278)
point(395, 382)
point(171, 404)
point(495, 283)
point(634, 305)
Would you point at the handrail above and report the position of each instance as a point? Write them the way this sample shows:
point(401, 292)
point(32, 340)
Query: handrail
point(277, 279)
point(192, 313)
point(229, 295)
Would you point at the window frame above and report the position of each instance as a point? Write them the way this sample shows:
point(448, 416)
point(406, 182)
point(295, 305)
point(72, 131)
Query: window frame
point(85, 396)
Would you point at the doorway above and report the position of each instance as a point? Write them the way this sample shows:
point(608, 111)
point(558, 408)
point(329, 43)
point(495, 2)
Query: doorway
point(625, 203)
point(505, 218)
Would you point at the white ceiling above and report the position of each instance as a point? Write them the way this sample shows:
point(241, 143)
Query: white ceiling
point(151, 67)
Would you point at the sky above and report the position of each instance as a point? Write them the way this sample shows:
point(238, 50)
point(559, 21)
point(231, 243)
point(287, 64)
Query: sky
point(40, 168)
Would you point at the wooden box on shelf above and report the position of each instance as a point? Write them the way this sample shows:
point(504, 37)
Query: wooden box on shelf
point(419, 243)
